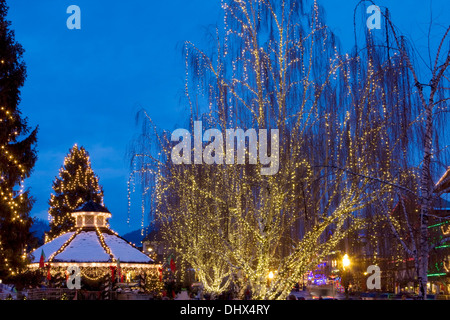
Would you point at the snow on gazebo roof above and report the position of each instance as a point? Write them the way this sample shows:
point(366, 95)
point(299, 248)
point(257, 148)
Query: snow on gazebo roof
point(92, 243)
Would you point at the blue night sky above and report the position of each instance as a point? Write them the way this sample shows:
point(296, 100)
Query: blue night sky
point(85, 86)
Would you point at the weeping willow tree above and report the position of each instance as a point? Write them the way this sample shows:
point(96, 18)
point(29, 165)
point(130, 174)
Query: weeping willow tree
point(411, 100)
point(273, 66)
point(429, 105)
point(383, 118)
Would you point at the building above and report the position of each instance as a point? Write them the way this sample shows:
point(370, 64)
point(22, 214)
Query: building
point(153, 245)
point(403, 269)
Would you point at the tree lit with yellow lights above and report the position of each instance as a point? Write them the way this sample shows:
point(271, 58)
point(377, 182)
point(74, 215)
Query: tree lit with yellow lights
point(75, 185)
point(17, 154)
point(271, 65)
point(415, 96)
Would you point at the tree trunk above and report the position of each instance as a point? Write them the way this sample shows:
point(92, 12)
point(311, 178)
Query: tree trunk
point(423, 262)
point(425, 185)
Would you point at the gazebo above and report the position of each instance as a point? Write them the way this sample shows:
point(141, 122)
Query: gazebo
point(94, 248)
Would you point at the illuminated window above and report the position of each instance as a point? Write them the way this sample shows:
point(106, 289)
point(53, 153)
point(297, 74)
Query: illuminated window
point(89, 220)
point(100, 221)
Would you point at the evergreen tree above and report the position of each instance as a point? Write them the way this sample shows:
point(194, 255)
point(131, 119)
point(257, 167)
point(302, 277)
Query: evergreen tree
point(75, 185)
point(17, 154)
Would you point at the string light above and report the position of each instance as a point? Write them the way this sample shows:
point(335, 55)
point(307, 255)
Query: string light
point(229, 223)
point(94, 271)
point(17, 159)
point(75, 185)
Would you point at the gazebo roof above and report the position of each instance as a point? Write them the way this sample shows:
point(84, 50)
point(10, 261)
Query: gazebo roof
point(86, 247)
point(90, 243)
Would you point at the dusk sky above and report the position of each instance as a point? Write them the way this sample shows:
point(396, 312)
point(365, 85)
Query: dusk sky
point(85, 86)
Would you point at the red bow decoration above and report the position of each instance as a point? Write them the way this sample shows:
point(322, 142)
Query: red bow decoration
point(113, 272)
point(160, 273)
point(42, 260)
point(49, 276)
point(172, 265)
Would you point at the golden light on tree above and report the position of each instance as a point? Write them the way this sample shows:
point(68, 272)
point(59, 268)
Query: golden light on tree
point(17, 154)
point(345, 261)
point(75, 185)
point(231, 223)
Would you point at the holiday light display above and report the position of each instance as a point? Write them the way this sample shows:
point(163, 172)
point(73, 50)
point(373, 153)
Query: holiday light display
point(97, 250)
point(271, 68)
point(417, 125)
point(17, 154)
point(75, 185)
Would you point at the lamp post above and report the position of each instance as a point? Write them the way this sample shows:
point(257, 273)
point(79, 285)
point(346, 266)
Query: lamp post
point(345, 274)
point(270, 277)
point(345, 261)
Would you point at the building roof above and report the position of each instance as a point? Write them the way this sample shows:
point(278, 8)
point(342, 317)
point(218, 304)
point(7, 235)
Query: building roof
point(154, 235)
point(444, 181)
point(90, 243)
point(442, 204)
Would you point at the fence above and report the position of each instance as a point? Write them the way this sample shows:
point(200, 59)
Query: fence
point(68, 294)
point(61, 294)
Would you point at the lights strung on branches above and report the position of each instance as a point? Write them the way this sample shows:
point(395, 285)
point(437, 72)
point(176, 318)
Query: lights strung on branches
point(75, 185)
point(230, 223)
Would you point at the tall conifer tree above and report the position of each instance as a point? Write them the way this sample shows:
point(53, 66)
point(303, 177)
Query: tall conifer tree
point(75, 185)
point(17, 154)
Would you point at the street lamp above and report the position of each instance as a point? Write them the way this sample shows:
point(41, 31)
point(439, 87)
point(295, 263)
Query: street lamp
point(270, 277)
point(345, 261)
point(345, 279)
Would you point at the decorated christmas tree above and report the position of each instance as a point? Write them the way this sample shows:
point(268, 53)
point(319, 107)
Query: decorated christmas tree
point(17, 154)
point(75, 185)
